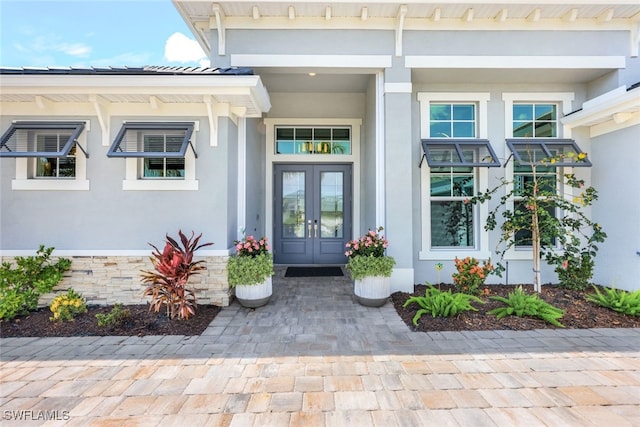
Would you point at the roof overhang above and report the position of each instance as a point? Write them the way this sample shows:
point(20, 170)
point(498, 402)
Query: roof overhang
point(206, 16)
point(614, 110)
point(213, 96)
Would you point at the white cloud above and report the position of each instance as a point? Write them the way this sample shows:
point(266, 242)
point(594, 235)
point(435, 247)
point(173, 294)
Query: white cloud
point(51, 43)
point(180, 48)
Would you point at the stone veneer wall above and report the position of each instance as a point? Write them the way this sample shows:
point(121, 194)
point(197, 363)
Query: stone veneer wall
point(106, 280)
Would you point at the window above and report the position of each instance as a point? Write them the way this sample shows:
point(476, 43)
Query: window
point(162, 167)
point(546, 177)
point(452, 220)
point(54, 167)
point(535, 120)
point(49, 155)
point(534, 136)
point(452, 120)
point(455, 145)
point(160, 156)
point(313, 140)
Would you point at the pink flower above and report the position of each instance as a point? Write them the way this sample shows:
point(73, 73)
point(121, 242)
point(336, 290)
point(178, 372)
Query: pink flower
point(262, 242)
point(466, 201)
point(372, 233)
point(247, 245)
point(565, 264)
point(239, 246)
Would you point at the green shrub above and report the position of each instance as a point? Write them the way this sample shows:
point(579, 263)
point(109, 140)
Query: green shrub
point(249, 270)
point(67, 306)
point(115, 317)
point(21, 285)
point(442, 304)
point(362, 266)
point(521, 304)
point(618, 300)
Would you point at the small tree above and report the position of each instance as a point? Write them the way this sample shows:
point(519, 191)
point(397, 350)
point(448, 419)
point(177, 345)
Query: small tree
point(547, 219)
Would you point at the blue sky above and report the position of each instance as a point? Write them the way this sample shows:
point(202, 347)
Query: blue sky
point(94, 33)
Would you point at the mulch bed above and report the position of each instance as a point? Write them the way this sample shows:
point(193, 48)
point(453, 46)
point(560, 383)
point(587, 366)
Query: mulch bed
point(141, 323)
point(578, 313)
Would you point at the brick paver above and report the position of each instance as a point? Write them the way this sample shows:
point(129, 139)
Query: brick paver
point(314, 357)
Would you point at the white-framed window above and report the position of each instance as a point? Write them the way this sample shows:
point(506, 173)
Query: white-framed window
point(305, 140)
point(49, 155)
point(533, 132)
point(454, 138)
point(159, 155)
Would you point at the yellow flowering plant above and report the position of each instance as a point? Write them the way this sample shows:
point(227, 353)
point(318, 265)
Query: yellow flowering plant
point(67, 306)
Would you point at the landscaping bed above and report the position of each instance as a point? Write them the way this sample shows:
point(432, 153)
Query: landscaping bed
point(140, 323)
point(578, 313)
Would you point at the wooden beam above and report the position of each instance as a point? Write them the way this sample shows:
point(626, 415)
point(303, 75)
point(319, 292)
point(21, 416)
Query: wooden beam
point(571, 16)
point(437, 14)
point(534, 16)
point(364, 13)
point(502, 15)
point(606, 15)
point(467, 16)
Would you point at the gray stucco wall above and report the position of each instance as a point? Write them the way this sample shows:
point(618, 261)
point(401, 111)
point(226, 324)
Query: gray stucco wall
point(617, 209)
point(110, 218)
point(255, 202)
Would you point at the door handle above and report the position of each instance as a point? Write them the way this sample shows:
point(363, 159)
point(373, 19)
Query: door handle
point(315, 228)
point(309, 229)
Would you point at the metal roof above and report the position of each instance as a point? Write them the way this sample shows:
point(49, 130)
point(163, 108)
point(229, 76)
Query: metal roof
point(135, 71)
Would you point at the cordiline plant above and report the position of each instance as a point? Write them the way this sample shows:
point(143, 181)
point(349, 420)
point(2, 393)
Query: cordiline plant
point(167, 285)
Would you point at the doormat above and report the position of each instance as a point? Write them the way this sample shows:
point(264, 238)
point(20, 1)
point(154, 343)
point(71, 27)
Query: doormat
point(313, 272)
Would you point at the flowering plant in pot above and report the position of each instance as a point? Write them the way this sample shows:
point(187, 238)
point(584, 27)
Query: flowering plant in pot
point(250, 271)
point(370, 268)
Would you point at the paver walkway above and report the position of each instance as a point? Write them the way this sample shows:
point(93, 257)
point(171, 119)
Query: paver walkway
point(314, 357)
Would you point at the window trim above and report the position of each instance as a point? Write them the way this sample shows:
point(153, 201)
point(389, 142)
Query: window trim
point(458, 143)
point(134, 163)
point(24, 181)
point(564, 101)
point(76, 129)
point(481, 249)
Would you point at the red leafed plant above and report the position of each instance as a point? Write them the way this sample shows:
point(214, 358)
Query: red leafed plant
point(167, 285)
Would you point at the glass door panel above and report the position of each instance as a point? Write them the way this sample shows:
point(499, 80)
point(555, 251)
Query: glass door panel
point(293, 204)
point(331, 204)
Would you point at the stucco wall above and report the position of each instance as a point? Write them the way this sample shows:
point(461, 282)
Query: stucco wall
point(616, 178)
point(109, 218)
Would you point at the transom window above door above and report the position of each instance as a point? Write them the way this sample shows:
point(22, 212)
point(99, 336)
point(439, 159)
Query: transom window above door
point(313, 140)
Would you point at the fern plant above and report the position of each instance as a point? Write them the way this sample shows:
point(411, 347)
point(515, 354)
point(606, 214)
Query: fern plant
point(617, 300)
point(442, 304)
point(520, 304)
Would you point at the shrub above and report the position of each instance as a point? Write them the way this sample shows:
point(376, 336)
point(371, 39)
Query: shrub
point(368, 265)
point(371, 244)
point(471, 276)
point(67, 306)
point(521, 304)
point(173, 267)
point(249, 270)
point(32, 276)
point(115, 317)
point(442, 304)
point(618, 300)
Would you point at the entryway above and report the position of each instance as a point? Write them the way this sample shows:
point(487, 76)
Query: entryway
point(312, 213)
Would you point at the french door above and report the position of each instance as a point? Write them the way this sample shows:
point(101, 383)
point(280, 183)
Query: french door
point(312, 213)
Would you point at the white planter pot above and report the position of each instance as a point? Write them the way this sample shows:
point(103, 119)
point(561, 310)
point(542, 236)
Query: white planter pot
point(372, 291)
point(253, 296)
